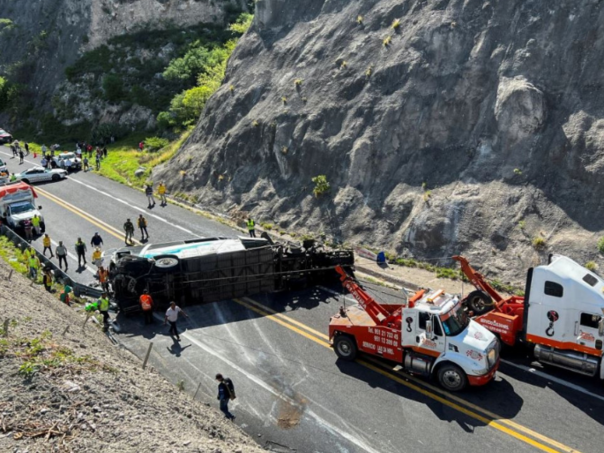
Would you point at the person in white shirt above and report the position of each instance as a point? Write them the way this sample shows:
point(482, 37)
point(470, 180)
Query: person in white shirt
point(171, 317)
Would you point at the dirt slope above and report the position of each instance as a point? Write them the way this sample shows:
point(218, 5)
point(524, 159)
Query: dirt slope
point(88, 395)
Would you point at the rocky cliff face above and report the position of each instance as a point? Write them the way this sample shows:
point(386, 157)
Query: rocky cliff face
point(443, 127)
point(43, 37)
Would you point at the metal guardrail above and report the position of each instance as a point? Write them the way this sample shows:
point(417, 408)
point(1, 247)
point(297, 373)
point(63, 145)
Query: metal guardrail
point(79, 289)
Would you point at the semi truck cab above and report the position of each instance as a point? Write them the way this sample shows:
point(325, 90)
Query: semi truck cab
point(564, 316)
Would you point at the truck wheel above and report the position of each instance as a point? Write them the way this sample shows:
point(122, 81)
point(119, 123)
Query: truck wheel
point(479, 302)
point(345, 347)
point(166, 263)
point(452, 378)
point(55, 178)
point(26, 181)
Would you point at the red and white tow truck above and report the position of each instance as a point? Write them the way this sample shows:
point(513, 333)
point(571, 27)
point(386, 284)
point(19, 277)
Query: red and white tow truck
point(430, 335)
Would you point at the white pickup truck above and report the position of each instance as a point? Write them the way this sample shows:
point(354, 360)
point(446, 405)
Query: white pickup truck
point(17, 204)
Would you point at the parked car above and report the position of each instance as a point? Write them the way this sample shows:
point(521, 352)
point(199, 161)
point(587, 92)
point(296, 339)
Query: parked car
point(5, 137)
point(67, 160)
point(41, 174)
point(3, 168)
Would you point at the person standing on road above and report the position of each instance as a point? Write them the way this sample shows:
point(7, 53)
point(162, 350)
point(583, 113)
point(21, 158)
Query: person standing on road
point(26, 145)
point(104, 279)
point(34, 265)
point(129, 229)
point(35, 221)
point(97, 255)
point(142, 225)
point(80, 248)
point(226, 392)
point(98, 162)
point(96, 241)
point(251, 227)
point(13, 148)
point(146, 302)
point(171, 317)
point(161, 190)
point(104, 309)
point(46, 243)
point(29, 230)
point(85, 164)
point(61, 253)
point(149, 193)
point(21, 156)
point(44, 149)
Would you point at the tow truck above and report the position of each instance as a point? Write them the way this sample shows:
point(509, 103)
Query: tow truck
point(560, 317)
point(428, 335)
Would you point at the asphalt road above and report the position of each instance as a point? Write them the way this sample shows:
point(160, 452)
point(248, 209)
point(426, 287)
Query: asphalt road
point(293, 394)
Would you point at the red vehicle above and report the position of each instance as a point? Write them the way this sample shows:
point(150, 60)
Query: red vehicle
point(429, 335)
point(5, 137)
point(560, 318)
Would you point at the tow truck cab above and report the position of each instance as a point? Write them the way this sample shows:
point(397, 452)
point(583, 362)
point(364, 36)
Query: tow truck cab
point(431, 336)
point(564, 316)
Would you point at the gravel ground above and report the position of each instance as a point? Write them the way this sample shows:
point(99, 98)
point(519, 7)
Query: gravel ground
point(79, 393)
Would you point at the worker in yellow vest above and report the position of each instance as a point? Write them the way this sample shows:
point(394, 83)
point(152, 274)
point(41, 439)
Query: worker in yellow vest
point(251, 227)
point(161, 191)
point(104, 309)
point(96, 257)
point(34, 265)
point(46, 242)
point(35, 221)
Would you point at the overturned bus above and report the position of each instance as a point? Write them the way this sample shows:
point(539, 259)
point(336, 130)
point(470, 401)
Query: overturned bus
point(212, 269)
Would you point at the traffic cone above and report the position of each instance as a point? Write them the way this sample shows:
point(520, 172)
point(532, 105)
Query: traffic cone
point(35, 155)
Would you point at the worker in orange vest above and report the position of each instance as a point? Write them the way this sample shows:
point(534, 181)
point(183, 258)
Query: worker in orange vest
point(104, 278)
point(147, 305)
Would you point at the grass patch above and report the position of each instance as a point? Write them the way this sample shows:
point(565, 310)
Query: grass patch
point(12, 255)
point(124, 158)
point(539, 243)
point(601, 245)
point(591, 266)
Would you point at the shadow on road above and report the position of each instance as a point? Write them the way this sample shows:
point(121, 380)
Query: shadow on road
point(498, 397)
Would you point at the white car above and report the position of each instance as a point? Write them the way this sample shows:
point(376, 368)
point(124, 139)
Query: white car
point(68, 161)
point(40, 174)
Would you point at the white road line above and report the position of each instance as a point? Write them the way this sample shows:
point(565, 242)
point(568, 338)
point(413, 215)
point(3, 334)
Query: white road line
point(138, 208)
point(549, 377)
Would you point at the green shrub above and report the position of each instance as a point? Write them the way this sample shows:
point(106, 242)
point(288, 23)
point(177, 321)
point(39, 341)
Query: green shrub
point(396, 24)
point(601, 245)
point(321, 185)
point(591, 265)
point(521, 224)
point(155, 143)
point(539, 243)
point(242, 24)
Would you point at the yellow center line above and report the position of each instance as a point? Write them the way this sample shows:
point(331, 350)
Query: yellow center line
point(86, 216)
point(489, 418)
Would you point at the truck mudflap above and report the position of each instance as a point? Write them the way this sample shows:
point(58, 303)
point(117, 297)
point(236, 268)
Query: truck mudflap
point(477, 381)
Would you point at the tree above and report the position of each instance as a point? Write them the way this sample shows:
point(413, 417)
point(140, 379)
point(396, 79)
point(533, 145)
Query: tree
point(113, 86)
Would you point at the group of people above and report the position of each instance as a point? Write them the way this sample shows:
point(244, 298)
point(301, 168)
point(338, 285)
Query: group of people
point(129, 230)
point(161, 191)
point(18, 151)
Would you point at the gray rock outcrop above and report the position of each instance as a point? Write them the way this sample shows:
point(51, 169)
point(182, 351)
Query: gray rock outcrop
point(443, 127)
